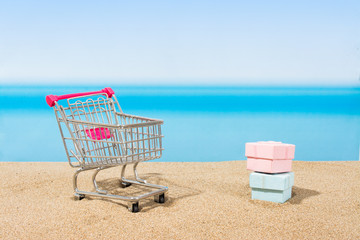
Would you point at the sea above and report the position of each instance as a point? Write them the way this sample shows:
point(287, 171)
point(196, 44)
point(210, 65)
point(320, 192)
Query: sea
point(201, 124)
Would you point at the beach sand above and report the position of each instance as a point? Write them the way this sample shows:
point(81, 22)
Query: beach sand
point(205, 201)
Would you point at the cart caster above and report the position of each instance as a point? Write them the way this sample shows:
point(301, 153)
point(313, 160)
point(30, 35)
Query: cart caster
point(160, 198)
point(79, 196)
point(125, 184)
point(134, 207)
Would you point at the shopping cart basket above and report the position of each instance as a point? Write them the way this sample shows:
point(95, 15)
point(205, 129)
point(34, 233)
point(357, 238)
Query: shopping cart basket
point(97, 135)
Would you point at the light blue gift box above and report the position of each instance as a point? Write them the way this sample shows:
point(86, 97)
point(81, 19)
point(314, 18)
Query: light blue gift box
point(271, 187)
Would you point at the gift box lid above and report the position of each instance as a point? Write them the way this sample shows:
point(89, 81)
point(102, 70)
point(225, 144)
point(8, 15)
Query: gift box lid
point(270, 150)
point(275, 181)
point(268, 166)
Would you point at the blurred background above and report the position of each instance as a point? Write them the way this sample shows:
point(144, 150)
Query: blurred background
point(219, 73)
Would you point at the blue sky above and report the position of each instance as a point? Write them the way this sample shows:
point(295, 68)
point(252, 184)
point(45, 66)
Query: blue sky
point(180, 42)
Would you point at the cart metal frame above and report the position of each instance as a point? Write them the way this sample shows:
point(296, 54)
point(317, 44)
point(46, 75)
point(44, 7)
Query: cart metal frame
point(97, 135)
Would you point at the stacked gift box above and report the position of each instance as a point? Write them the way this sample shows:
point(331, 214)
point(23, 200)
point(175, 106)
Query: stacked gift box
point(272, 179)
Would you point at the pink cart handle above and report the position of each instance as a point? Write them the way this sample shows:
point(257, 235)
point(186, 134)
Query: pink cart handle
point(51, 99)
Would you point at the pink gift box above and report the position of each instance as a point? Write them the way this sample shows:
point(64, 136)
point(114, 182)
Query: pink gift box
point(270, 150)
point(269, 166)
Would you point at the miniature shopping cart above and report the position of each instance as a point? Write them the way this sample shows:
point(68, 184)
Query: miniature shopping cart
point(97, 135)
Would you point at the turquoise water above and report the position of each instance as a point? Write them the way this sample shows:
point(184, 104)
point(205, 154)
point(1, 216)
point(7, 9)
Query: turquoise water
point(201, 123)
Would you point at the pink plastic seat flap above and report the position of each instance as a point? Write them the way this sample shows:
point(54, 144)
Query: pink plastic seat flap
point(98, 133)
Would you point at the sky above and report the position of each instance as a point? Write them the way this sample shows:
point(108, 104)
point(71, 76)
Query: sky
point(180, 42)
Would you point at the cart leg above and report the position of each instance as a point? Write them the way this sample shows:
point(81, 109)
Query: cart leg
point(136, 174)
point(77, 195)
point(94, 181)
point(123, 182)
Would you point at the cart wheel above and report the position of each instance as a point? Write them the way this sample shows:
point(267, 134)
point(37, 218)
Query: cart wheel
point(79, 196)
point(160, 198)
point(125, 184)
point(135, 207)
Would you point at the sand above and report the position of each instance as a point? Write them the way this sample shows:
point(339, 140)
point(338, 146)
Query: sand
point(205, 201)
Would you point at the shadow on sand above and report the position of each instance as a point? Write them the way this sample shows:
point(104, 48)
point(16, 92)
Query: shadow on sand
point(299, 194)
point(175, 193)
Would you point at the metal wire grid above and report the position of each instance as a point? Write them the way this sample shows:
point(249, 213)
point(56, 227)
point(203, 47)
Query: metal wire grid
point(101, 136)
